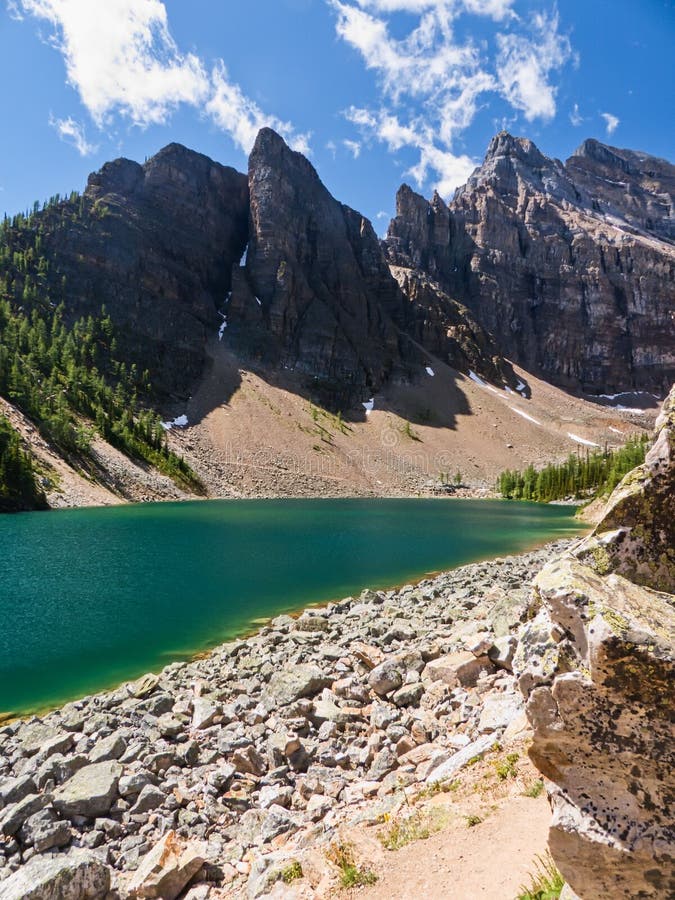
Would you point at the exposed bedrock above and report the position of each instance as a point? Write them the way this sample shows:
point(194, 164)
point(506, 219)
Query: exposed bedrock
point(596, 666)
point(570, 265)
point(316, 296)
point(156, 249)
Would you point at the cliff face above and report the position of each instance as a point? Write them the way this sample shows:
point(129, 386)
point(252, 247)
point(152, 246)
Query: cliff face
point(565, 269)
point(570, 265)
point(316, 295)
point(158, 254)
point(597, 667)
point(161, 247)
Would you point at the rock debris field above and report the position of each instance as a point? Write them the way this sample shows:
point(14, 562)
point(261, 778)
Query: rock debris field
point(232, 775)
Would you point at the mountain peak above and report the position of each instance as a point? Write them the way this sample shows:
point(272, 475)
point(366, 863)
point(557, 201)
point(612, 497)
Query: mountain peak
point(505, 144)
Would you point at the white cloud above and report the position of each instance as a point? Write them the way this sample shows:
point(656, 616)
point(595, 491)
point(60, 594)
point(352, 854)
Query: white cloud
point(382, 215)
point(495, 9)
point(450, 170)
point(73, 133)
point(575, 116)
point(120, 57)
point(237, 114)
point(432, 84)
point(354, 148)
point(611, 122)
point(122, 60)
point(524, 64)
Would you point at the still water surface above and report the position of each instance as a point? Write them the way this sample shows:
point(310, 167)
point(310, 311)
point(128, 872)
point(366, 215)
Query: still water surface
point(92, 597)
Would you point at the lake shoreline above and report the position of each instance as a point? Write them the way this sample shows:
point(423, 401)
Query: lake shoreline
point(246, 627)
point(318, 713)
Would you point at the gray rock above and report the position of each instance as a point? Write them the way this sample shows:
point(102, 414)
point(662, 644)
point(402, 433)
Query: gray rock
point(277, 821)
point(167, 868)
point(13, 816)
point(304, 680)
point(130, 785)
point(111, 747)
point(386, 677)
point(14, 789)
point(275, 795)
point(503, 651)
point(75, 876)
point(408, 695)
point(204, 711)
point(149, 798)
point(265, 872)
point(385, 761)
point(45, 830)
point(248, 760)
point(458, 760)
point(499, 710)
point(90, 792)
point(311, 623)
point(382, 716)
point(58, 743)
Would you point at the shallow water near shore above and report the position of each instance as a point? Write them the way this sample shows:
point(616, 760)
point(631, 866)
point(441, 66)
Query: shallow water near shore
point(92, 597)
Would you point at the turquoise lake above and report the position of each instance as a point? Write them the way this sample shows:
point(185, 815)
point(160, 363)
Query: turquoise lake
point(92, 597)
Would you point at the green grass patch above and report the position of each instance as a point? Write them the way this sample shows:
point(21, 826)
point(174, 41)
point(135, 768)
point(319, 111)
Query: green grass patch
point(546, 882)
point(506, 768)
point(351, 874)
point(534, 790)
point(291, 873)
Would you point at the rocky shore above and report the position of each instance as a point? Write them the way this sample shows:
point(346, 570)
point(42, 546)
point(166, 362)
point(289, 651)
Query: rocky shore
point(225, 776)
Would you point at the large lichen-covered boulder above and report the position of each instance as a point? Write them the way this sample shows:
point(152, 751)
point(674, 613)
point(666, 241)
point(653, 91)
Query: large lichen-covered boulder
point(597, 667)
point(75, 876)
point(636, 536)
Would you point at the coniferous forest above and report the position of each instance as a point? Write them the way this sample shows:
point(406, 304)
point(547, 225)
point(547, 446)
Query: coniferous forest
point(67, 377)
point(19, 487)
point(581, 475)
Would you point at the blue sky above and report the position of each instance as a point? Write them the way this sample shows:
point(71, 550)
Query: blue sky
point(375, 91)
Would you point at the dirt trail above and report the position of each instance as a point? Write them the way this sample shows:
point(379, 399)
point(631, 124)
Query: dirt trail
point(489, 861)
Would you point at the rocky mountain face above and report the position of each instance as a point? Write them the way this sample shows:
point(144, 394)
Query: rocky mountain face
point(596, 666)
point(565, 269)
point(155, 244)
point(315, 294)
point(570, 265)
point(181, 246)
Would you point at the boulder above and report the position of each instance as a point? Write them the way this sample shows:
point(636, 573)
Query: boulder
point(44, 830)
point(499, 710)
point(447, 768)
point(90, 792)
point(75, 876)
point(149, 798)
point(386, 677)
point(597, 667)
point(456, 669)
point(303, 680)
point(204, 711)
point(111, 747)
point(14, 789)
point(167, 868)
point(502, 652)
point(14, 815)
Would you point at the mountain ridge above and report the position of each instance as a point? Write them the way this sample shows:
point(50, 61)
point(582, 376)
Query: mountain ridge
point(525, 265)
point(536, 250)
